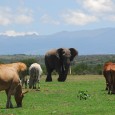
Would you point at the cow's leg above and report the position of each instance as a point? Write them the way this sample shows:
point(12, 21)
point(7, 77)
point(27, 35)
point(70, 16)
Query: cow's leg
point(107, 84)
point(25, 83)
point(106, 79)
point(34, 84)
point(34, 87)
point(109, 88)
point(106, 88)
point(109, 81)
point(113, 82)
point(8, 103)
point(38, 85)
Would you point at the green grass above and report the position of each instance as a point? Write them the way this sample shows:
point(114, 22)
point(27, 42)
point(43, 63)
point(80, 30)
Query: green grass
point(61, 98)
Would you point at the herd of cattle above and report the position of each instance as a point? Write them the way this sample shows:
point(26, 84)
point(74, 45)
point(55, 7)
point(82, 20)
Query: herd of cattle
point(12, 75)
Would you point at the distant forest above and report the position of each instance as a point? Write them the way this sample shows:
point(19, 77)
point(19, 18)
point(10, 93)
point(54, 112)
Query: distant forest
point(84, 64)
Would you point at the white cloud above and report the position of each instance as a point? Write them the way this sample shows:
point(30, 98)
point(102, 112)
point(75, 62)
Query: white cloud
point(78, 18)
point(23, 19)
point(47, 19)
point(99, 6)
point(9, 16)
point(4, 21)
point(91, 11)
point(25, 16)
point(5, 16)
point(14, 33)
point(111, 18)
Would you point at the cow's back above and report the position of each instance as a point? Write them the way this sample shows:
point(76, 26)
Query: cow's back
point(34, 72)
point(8, 76)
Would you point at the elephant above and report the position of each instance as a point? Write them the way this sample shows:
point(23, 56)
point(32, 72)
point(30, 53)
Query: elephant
point(59, 60)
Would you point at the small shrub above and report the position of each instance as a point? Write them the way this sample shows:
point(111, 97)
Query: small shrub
point(83, 95)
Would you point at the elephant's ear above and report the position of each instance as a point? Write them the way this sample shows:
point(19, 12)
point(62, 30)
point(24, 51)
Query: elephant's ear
point(59, 53)
point(74, 53)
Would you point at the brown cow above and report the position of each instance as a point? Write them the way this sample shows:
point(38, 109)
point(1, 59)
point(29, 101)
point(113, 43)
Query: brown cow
point(109, 74)
point(10, 82)
point(113, 78)
point(20, 68)
point(106, 72)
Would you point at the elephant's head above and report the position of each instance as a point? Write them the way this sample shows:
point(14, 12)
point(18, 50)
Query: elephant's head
point(66, 56)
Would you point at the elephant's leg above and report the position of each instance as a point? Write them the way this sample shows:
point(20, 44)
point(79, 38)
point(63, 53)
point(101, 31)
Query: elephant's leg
point(49, 78)
point(66, 72)
point(65, 76)
point(61, 76)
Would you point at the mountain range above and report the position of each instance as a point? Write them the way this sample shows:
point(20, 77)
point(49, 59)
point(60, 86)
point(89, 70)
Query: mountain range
point(97, 41)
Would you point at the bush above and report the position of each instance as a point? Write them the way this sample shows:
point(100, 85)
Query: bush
point(83, 69)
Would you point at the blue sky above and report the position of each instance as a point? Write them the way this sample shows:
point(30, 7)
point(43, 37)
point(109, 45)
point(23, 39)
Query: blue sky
point(43, 17)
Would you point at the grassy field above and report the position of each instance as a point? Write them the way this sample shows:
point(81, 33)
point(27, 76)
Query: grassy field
point(61, 98)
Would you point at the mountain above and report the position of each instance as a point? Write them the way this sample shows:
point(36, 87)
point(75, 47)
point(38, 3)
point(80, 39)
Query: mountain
point(98, 41)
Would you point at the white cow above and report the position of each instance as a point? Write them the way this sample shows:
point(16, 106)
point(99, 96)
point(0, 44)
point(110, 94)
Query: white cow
point(35, 72)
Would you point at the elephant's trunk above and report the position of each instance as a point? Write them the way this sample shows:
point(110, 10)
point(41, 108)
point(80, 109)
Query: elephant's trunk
point(64, 72)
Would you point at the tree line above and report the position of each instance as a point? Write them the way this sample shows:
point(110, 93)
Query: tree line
point(88, 64)
point(76, 69)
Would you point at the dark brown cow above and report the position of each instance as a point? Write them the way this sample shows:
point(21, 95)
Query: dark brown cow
point(113, 78)
point(106, 72)
point(10, 82)
point(109, 74)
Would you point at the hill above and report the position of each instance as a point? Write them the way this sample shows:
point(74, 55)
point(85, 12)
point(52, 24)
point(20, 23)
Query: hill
point(100, 41)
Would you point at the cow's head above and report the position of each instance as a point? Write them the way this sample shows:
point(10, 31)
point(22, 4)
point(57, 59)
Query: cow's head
point(19, 95)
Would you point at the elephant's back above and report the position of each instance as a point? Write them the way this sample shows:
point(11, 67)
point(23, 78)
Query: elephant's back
point(51, 52)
